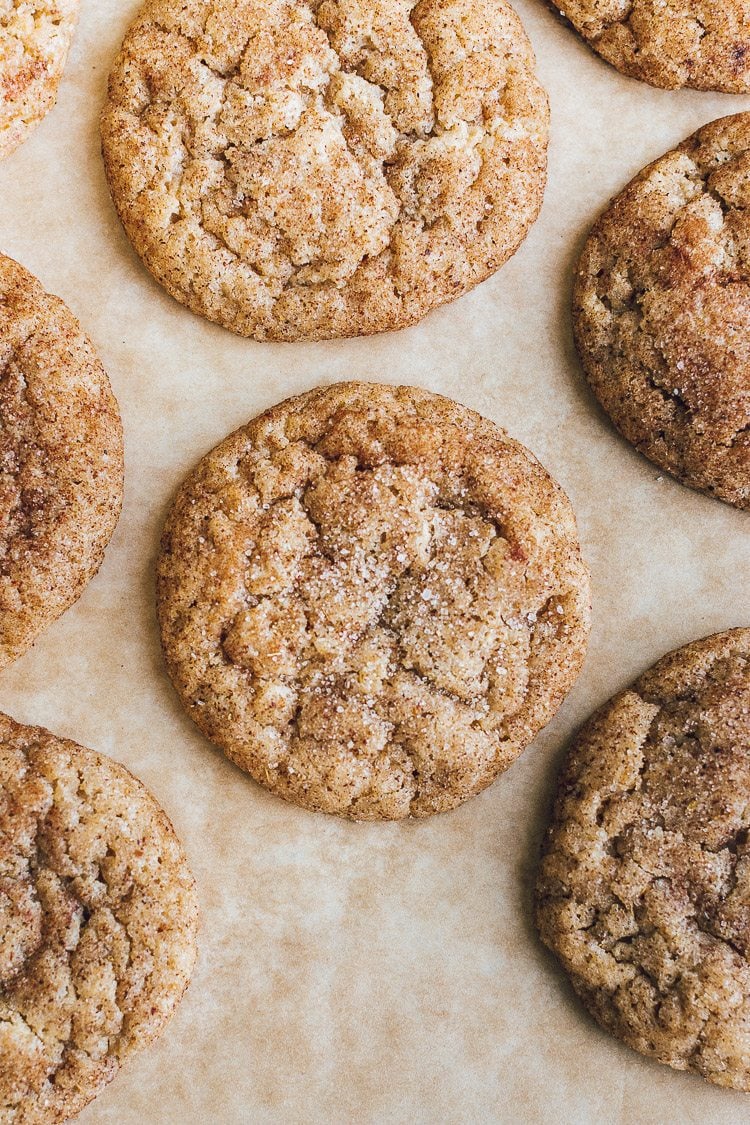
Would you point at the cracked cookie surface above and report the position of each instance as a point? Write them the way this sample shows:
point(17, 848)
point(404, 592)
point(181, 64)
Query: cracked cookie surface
point(61, 460)
point(662, 311)
point(372, 599)
point(98, 919)
point(302, 169)
point(35, 37)
point(669, 43)
point(644, 888)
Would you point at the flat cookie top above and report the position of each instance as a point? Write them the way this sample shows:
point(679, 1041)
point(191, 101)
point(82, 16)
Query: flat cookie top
point(662, 310)
point(372, 599)
point(296, 169)
point(98, 918)
point(61, 460)
point(35, 36)
point(644, 889)
point(672, 43)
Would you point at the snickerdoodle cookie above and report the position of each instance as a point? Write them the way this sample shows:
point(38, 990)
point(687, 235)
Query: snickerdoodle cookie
point(644, 888)
point(669, 43)
point(35, 37)
point(61, 460)
point(662, 310)
point(98, 920)
point(372, 599)
point(302, 169)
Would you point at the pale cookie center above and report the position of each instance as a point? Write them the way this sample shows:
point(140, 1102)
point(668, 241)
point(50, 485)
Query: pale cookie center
point(302, 138)
point(300, 187)
point(368, 598)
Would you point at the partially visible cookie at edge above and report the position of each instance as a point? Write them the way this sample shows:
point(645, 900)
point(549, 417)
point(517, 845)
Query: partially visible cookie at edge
point(372, 599)
point(98, 921)
point(35, 37)
point(662, 310)
point(61, 460)
point(695, 43)
point(302, 170)
point(644, 887)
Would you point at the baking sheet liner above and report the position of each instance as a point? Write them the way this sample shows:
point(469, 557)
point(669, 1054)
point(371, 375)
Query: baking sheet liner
point(369, 973)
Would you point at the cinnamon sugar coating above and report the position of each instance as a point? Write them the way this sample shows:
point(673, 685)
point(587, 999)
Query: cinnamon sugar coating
point(98, 918)
point(669, 43)
point(303, 170)
point(644, 888)
point(372, 599)
point(35, 36)
point(662, 310)
point(61, 460)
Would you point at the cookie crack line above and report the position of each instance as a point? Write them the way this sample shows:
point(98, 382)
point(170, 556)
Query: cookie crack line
point(40, 863)
point(34, 58)
point(658, 307)
point(116, 945)
point(670, 46)
point(223, 154)
point(381, 706)
point(61, 459)
point(652, 876)
point(225, 193)
point(372, 629)
point(234, 72)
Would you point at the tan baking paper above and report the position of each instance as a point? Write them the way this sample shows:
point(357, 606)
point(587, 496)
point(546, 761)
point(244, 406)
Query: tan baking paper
point(364, 973)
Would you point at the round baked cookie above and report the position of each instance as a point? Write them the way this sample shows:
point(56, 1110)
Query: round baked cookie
point(297, 169)
point(669, 43)
point(98, 920)
point(662, 311)
point(35, 37)
point(644, 888)
point(371, 599)
point(61, 460)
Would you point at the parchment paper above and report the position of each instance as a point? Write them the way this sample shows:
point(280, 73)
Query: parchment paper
point(369, 973)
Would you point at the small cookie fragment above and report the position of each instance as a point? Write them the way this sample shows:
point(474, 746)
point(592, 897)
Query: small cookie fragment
point(372, 599)
point(644, 887)
point(98, 921)
point(662, 311)
point(35, 36)
point(293, 169)
point(669, 43)
point(61, 460)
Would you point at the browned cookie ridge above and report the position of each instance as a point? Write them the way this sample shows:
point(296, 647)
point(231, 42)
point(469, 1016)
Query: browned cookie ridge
point(301, 169)
point(662, 310)
point(372, 599)
point(98, 919)
point(61, 460)
point(35, 37)
point(669, 43)
point(644, 887)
